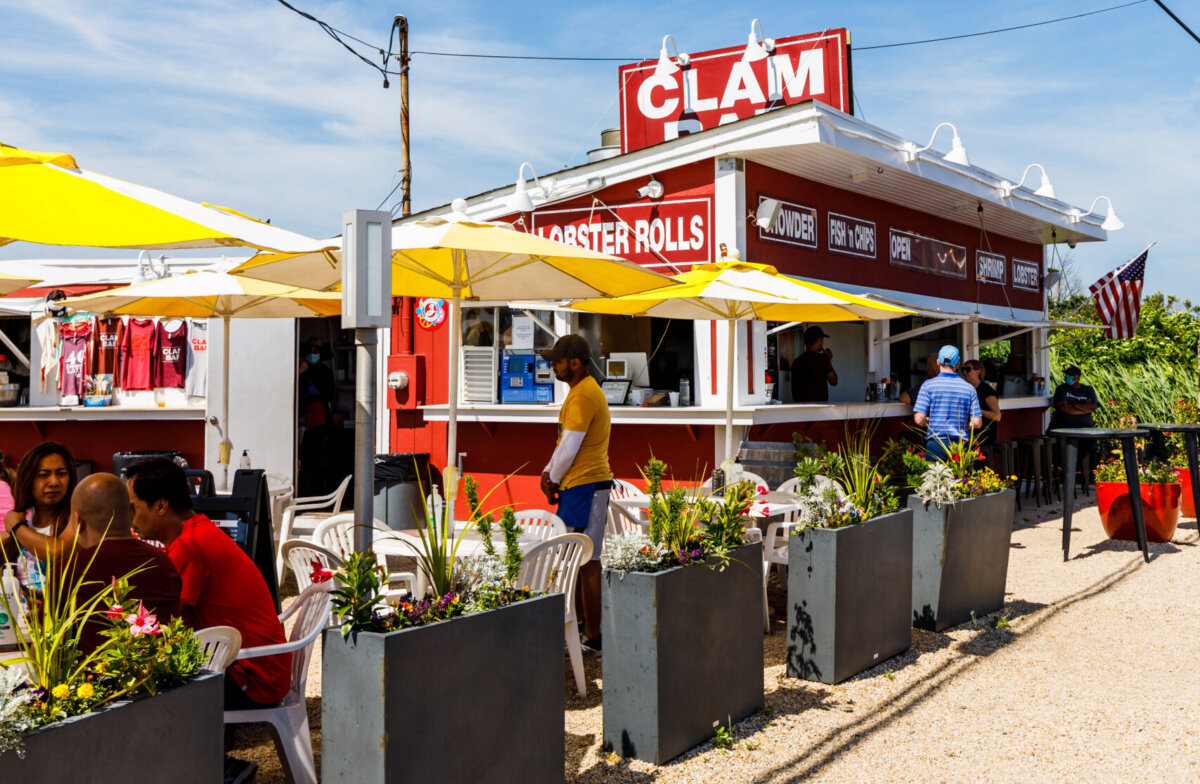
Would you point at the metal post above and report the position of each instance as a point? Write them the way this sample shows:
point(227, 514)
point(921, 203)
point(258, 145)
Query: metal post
point(1129, 452)
point(1070, 458)
point(365, 342)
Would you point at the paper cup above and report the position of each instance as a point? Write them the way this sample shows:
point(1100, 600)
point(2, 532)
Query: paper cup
point(674, 398)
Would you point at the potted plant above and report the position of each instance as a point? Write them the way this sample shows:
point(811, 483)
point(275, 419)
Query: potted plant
point(962, 532)
point(849, 567)
point(1187, 412)
point(682, 610)
point(462, 685)
point(55, 697)
point(1161, 495)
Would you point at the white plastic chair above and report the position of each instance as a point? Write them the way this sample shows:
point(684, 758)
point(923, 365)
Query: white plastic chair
point(541, 524)
point(221, 645)
point(337, 535)
point(790, 486)
point(290, 717)
point(747, 476)
point(623, 521)
point(304, 514)
point(279, 488)
point(553, 566)
point(299, 555)
point(775, 551)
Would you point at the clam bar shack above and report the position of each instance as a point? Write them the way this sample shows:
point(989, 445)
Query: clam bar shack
point(732, 150)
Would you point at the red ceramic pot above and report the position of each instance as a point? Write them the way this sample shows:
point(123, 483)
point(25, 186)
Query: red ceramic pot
point(1188, 509)
point(1160, 509)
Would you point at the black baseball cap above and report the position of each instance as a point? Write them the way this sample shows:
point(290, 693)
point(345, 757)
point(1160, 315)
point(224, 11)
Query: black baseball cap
point(812, 334)
point(1073, 371)
point(568, 347)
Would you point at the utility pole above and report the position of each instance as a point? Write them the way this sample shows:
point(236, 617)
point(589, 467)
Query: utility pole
point(401, 23)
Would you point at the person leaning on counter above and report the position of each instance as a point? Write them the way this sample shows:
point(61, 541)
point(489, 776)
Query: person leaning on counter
point(812, 372)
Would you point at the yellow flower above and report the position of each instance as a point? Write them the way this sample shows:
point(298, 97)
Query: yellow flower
point(85, 691)
point(61, 691)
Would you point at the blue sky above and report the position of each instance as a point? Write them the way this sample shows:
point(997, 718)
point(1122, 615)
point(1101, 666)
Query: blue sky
point(246, 104)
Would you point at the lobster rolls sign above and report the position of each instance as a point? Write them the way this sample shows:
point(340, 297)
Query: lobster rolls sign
point(662, 100)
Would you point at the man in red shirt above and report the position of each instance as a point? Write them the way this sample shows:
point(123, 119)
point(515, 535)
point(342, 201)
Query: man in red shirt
point(221, 585)
point(106, 549)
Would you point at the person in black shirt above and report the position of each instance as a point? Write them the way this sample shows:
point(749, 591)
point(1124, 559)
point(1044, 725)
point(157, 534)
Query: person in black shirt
point(812, 372)
point(1073, 406)
point(989, 403)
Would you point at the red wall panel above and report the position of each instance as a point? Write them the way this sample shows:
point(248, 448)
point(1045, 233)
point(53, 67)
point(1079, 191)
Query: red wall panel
point(97, 441)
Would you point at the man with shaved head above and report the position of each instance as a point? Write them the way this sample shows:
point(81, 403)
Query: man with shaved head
point(105, 548)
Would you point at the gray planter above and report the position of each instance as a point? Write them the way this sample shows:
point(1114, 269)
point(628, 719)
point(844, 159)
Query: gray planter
point(849, 597)
point(960, 558)
point(176, 735)
point(682, 649)
point(476, 698)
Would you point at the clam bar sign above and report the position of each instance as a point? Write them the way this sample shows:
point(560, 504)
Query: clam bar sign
point(671, 232)
point(925, 253)
point(990, 267)
point(796, 225)
point(1026, 275)
point(661, 101)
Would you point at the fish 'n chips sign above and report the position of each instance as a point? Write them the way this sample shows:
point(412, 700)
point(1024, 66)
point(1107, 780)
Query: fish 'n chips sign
point(723, 85)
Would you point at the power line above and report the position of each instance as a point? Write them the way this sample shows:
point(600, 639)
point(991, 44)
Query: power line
point(1178, 21)
point(857, 48)
point(337, 34)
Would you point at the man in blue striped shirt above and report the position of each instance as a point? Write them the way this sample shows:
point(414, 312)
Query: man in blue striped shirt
point(947, 405)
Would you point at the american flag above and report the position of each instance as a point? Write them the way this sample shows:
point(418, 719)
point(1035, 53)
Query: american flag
point(1119, 297)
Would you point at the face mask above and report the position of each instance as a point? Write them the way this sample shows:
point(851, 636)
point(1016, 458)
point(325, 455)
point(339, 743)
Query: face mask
point(313, 358)
point(1070, 379)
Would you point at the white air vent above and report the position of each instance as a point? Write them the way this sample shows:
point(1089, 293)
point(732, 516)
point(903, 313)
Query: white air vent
point(478, 373)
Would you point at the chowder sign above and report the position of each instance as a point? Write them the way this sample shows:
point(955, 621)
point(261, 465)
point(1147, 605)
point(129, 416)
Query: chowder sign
point(661, 100)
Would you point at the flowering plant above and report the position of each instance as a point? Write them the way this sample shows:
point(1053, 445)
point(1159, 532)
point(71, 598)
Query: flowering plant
point(1149, 472)
point(485, 581)
point(1185, 411)
point(844, 487)
point(962, 473)
point(137, 655)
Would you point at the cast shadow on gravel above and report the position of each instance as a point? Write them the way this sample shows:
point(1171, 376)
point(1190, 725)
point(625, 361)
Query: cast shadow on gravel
point(1121, 546)
point(827, 749)
point(602, 772)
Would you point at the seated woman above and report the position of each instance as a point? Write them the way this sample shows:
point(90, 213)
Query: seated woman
point(38, 527)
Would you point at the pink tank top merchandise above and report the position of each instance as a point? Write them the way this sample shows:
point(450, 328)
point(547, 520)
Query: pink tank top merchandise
point(170, 369)
point(138, 354)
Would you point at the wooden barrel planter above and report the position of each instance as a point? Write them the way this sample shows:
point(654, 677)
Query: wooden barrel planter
point(1161, 504)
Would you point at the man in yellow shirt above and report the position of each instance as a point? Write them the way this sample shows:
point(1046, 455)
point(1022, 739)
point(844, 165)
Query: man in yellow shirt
point(577, 477)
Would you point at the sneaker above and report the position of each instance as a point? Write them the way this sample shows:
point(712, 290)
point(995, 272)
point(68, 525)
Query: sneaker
point(591, 646)
point(239, 771)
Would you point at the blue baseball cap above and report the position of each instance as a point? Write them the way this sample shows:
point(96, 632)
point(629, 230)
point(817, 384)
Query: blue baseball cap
point(948, 355)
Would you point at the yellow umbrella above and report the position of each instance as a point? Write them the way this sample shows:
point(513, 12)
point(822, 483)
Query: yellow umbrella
point(741, 291)
point(206, 294)
point(46, 198)
point(11, 283)
point(463, 259)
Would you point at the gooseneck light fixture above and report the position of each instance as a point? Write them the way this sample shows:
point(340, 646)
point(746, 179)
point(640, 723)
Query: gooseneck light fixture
point(651, 190)
point(755, 50)
point(1045, 190)
point(665, 67)
point(520, 201)
point(957, 154)
point(1111, 221)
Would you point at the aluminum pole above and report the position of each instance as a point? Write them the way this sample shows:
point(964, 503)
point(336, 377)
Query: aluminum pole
point(365, 343)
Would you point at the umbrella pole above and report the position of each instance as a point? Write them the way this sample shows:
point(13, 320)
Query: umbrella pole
point(450, 473)
point(730, 350)
point(225, 448)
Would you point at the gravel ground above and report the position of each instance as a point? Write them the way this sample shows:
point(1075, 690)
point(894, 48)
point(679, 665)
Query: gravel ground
point(1097, 679)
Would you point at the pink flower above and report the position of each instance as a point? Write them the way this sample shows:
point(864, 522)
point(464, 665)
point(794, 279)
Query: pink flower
point(319, 573)
point(113, 613)
point(762, 490)
point(143, 622)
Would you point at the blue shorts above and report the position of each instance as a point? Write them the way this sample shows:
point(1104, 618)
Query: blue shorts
point(584, 509)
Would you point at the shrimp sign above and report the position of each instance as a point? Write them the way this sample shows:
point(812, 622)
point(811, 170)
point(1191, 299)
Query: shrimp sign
point(722, 85)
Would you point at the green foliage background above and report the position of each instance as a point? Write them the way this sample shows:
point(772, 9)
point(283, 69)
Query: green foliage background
point(1143, 375)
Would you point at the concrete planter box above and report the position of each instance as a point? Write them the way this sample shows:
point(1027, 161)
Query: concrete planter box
point(960, 558)
point(849, 597)
point(477, 698)
point(176, 735)
point(682, 649)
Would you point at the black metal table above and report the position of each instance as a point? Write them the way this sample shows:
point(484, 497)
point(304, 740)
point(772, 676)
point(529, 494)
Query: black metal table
point(1190, 439)
point(1071, 437)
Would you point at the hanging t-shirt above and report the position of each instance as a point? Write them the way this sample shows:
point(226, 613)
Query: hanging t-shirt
point(138, 354)
point(106, 345)
point(197, 365)
point(172, 355)
point(47, 335)
point(73, 368)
